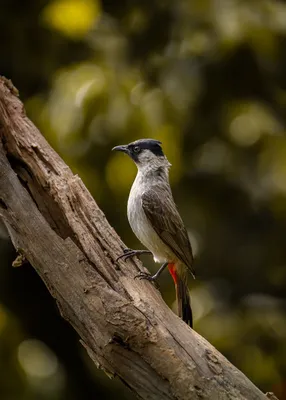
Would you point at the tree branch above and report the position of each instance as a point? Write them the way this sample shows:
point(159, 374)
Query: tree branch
point(124, 324)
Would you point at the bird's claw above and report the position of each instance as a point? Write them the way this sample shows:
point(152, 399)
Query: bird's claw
point(148, 277)
point(144, 275)
point(127, 253)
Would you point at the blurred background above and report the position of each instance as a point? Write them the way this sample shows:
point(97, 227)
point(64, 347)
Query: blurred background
point(207, 78)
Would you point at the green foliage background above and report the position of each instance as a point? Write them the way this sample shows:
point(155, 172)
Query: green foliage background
point(207, 77)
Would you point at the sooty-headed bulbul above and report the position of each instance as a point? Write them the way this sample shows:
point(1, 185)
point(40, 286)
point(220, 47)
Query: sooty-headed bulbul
point(155, 220)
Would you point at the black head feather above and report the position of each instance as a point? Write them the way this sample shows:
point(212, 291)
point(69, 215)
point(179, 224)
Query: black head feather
point(134, 149)
point(150, 144)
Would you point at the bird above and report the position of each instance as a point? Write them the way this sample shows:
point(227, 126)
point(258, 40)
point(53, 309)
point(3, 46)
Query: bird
point(155, 220)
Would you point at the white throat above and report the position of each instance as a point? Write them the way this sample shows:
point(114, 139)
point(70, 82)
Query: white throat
point(154, 167)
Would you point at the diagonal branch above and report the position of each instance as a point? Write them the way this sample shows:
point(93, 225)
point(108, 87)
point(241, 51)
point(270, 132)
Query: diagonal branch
point(124, 324)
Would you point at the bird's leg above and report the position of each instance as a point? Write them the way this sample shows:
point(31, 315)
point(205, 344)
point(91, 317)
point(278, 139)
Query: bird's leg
point(128, 253)
point(144, 275)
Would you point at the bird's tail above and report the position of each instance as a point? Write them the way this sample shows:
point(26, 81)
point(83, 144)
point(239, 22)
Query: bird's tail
point(182, 292)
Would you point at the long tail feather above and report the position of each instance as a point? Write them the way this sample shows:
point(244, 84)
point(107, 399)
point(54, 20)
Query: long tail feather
point(183, 297)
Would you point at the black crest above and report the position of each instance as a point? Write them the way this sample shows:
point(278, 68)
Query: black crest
point(149, 144)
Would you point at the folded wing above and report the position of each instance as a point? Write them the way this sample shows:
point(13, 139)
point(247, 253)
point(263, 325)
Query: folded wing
point(161, 211)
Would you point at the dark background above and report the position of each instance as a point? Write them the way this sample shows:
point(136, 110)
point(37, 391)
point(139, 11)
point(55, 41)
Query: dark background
point(208, 78)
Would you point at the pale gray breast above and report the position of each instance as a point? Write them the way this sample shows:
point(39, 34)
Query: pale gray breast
point(142, 227)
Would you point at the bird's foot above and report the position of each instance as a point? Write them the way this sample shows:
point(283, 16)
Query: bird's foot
point(129, 253)
point(152, 278)
point(147, 277)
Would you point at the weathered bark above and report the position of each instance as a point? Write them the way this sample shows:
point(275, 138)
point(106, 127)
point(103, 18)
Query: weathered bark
point(124, 324)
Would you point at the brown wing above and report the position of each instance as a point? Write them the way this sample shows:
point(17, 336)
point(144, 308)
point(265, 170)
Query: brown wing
point(161, 211)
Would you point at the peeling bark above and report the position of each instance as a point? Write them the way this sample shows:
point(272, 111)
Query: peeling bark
point(124, 324)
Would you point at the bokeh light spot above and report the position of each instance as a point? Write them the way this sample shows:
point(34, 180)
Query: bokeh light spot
point(73, 18)
point(36, 359)
point(249, 121)
point(244, 130)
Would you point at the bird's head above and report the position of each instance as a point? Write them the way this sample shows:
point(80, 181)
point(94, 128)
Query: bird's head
point(145, 153)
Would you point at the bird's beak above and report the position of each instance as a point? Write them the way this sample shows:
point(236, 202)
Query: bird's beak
point(123, 148)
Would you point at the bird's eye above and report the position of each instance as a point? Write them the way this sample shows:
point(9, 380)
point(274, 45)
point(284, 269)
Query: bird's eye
point(136, 149)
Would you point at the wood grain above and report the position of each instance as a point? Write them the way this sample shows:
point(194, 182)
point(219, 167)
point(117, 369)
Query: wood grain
point(124, 324)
